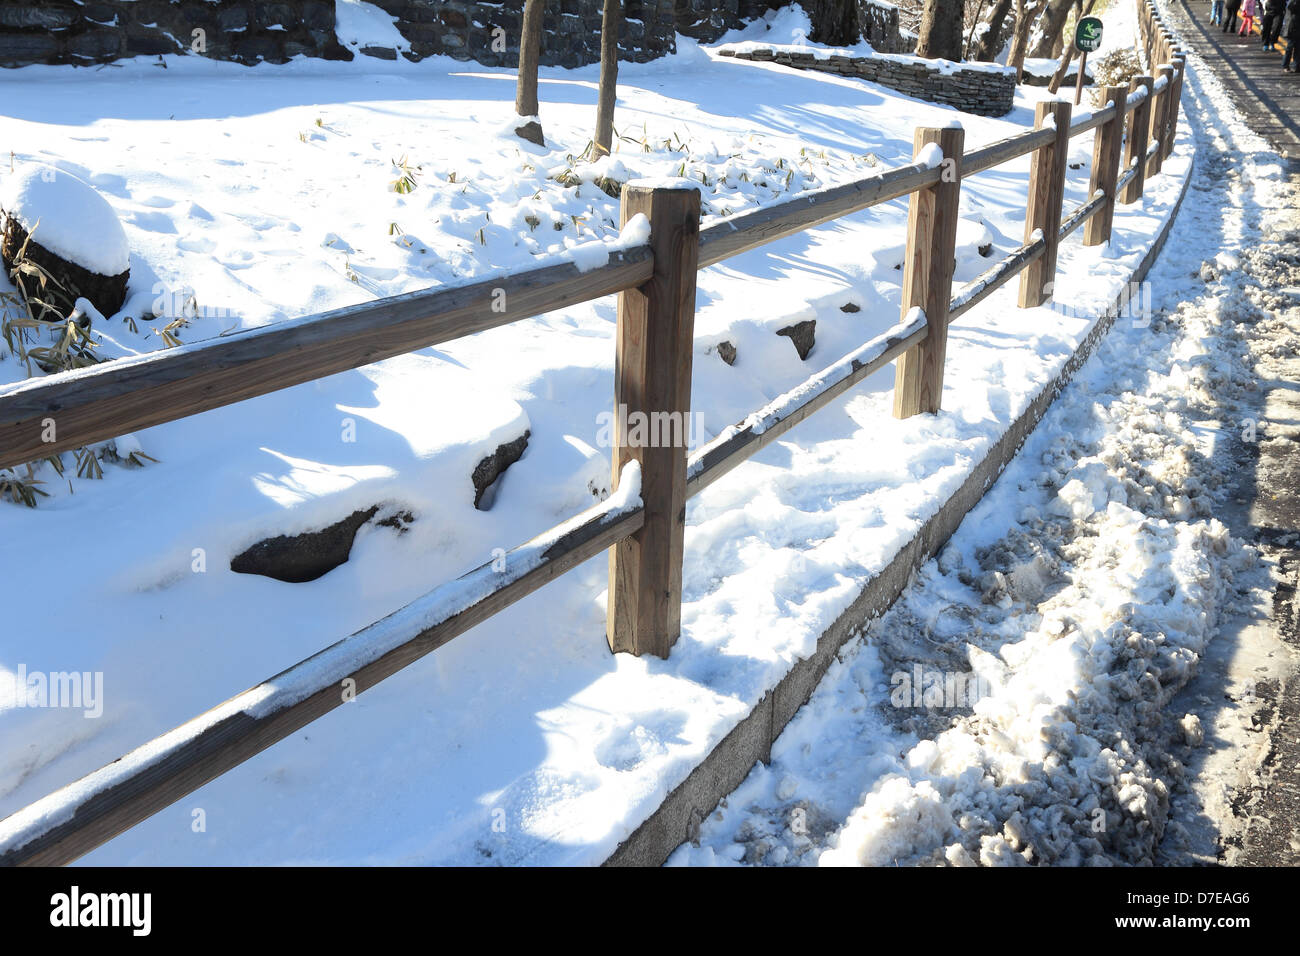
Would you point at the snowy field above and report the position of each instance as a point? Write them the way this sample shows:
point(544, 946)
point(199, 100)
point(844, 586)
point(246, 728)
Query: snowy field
point(1023, 703)
point(254, 196)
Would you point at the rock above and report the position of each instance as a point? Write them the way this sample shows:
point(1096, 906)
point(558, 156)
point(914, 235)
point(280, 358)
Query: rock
point(727, 352)
point(65, 227)
point(986, 250)
point(850, 307)
point(490, 468)
point(802, 334)
point(313, 554)
point(531, 131)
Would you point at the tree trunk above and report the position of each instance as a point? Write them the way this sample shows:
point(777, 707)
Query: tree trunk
point(530, 50)
point(834, 22)
point(610, 22)
point(989, 43)
point(1067, 56)
point(975, 22)
point(940, 35)
point(1026, 12)
point(1050, 26)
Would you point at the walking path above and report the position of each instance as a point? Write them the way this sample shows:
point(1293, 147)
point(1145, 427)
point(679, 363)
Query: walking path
point(1266, 508)
point(1108, 636)
point(1268, 98)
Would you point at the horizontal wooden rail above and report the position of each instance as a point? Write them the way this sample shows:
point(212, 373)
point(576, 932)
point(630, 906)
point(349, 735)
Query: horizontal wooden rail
point(71, 822)
point(111, 399)
point(1092, 120)
point(1126, 177)
point(749, 230)
point(741, 442)
point(1081, 214)
point(1136, 98)
point(1002, 150)
point(997, 275)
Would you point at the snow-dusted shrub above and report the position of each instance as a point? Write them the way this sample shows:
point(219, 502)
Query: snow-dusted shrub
point(1115, 68)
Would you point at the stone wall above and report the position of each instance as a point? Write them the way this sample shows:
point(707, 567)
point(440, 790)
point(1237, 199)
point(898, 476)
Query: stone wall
point(249, 31)
point(985, 90)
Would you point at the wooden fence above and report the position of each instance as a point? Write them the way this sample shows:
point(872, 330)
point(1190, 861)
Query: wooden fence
point(643, 532)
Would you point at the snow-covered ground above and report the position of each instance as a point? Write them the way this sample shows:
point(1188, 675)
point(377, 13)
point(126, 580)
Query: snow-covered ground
point(1031, 698)
point(252, 196)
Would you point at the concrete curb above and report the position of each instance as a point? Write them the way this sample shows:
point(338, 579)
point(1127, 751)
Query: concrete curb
point(678, 818)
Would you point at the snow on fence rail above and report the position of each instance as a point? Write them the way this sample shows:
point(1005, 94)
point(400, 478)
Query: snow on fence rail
point(643, 522)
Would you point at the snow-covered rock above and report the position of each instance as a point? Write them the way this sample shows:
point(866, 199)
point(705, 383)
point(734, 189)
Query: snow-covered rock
point(69, 230)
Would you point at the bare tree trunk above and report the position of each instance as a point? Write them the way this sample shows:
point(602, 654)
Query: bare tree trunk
point(1059, 76)
point(940, 34)
point(834, 22)
point(1026, 12)
point(989, 44)
point(530, 50)
point(1050, 26)
point(610, 22)
point(975, 21)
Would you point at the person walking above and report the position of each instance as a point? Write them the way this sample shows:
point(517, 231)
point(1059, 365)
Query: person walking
point(1247, 18)
point(1291, 59)
point(1216, 12)
point(1270, 24)
point(1230, 23)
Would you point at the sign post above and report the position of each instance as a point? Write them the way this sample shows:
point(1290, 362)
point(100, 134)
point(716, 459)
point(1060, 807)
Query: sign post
point(1087, 37)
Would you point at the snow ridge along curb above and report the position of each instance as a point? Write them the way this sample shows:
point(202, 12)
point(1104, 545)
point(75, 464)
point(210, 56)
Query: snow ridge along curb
point(678, 817)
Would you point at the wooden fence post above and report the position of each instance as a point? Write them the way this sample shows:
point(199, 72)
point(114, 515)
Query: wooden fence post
point(1136, 147)
point(927, 274)
point(1107, 146)
point(1160, 119)
point(652, 376)
point(1175, 101)
point(1043, 209)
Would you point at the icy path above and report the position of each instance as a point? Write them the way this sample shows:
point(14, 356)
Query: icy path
point(1033, 697)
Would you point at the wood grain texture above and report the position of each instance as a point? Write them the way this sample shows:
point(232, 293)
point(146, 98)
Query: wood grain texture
point(927, 275)
point(1043, 209)
point(1107, 149)
point(1003, 150)
point(128, 394)
point(1175, 102)
point(1159, 119)
point(1135, 146)
point(749, 230)
point(652, 378)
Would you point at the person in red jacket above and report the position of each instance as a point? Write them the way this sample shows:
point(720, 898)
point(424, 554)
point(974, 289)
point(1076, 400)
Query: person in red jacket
point(1247, 18)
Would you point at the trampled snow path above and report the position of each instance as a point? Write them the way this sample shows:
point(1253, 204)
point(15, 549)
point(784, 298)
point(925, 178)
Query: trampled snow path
point(1017, 705)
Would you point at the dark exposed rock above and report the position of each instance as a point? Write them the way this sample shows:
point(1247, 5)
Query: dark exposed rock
point(303, 557)
point(850, 307)
point(106, 293)
point(251, 31)
point(531, 131)
point(985, 250)
point(727, 352)
point(802, 334)
point(491, 467)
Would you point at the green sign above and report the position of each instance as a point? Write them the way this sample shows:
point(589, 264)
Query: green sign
point(1087, 35)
